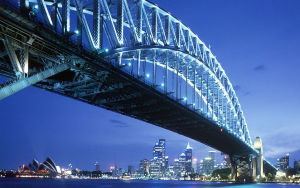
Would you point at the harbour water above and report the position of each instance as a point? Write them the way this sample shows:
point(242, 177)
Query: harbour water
point(80, 183)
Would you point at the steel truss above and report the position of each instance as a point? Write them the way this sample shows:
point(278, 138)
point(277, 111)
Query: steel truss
point(143, 39)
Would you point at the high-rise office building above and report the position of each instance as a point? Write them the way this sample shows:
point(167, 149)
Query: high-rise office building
point(226, 162)
point(159, 149)
point(207, 166)
point(284, 163)
point(144, 167)
point(155, 168)
point(182, 161)
point(212, 155)
point(159, 163)
point(130, 169)
point(97, 166)
point(177, 168)
point(188, 158)
point(195, 165)
point(297, 166)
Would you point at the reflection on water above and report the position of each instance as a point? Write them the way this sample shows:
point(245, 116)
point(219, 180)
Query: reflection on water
point(60, 183)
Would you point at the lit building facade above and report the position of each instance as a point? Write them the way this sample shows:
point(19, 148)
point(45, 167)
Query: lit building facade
point(284, 163)
point(159, 163)
point(212, 155)
point(97, 166)
point(206, 166)
point(144, 167)
point(188, 159)
point(297, 166)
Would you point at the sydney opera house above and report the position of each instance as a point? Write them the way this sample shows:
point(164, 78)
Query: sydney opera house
point(47, 168)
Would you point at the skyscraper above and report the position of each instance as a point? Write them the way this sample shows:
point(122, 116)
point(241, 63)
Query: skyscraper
point(188, 158)
point(130, 169)
point(227, 162)
point(97, 166)
point(207, 166)
point(159, 163)
point(212, 155)
point(195, 165)
point(159, 149)
point(297, 166)
point(284, 163)
point(144, 167)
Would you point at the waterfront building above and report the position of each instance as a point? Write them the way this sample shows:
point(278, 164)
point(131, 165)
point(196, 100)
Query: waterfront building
point(195, 165)
point(212, 155)
point(206, 166)
point(156, 168)
point(177, 168)
point(97, 166)
point(188, 159)
point(297, 166)
point(116, 172)
point(159, 163)
point(226, 161)
point(159, 149)
point(144, 167)
point(70, 166)
point(47, 168)
point(130, 170)
point(284, 163)
point(170, 171)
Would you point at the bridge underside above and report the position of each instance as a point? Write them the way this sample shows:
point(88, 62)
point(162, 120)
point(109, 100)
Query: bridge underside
point(101, 84)
point(92, 79)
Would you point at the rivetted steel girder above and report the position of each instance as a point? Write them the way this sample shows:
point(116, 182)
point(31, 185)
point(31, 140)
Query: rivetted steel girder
point(18, 85)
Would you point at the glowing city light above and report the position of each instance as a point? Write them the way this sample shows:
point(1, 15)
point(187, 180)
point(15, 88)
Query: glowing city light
point(184, 98)
point(106, 49)
point(36, 6)
point(76, 32)
point(147, 75)
point(129, 64)
point(162, 84)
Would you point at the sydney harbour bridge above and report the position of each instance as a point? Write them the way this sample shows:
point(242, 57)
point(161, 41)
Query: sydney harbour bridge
point(130, 57)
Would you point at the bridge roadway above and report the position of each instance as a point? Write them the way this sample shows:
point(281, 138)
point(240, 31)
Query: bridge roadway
point(116, 90)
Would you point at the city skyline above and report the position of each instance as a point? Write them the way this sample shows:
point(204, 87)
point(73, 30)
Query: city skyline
point(51, 125)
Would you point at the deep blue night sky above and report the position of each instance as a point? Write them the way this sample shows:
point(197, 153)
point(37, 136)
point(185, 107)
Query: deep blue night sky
point(258, 45)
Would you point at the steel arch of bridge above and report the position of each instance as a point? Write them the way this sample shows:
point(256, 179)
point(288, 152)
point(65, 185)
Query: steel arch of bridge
point(139, 33)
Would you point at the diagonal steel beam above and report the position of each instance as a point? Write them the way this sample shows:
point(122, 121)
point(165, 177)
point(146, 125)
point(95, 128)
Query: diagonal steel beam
point(23, 83)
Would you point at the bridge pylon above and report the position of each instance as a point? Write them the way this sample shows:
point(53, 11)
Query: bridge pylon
point(258, 161)
point(249, 168)
point(242, 168)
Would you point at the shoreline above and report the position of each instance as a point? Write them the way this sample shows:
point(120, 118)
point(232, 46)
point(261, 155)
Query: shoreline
point(119, 179)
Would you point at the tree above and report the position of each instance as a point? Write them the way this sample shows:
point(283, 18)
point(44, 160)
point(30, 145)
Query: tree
point(222, 173)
